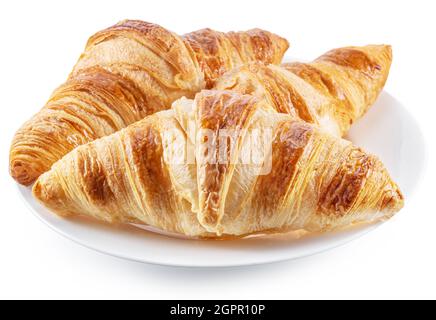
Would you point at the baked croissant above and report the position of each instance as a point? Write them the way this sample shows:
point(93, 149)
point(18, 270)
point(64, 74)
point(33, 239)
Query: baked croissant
point(128, 71)
point(173, 171)
point(332, 92)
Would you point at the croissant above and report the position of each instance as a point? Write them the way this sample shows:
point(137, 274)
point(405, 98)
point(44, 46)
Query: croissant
point(223, 164)
point(332, 92)
point(128, 71)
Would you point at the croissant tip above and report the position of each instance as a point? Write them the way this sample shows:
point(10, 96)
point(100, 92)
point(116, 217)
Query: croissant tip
point(49, 192)
point(395, 201)
point(22, 173)
point(37, 190)
point(40, 191)
point(386, 47)
point(282, 44)
point(380, 49)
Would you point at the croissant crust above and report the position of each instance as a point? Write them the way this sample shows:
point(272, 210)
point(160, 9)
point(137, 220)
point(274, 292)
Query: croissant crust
point(332, 92)
point(126, 72)
point(308, 180)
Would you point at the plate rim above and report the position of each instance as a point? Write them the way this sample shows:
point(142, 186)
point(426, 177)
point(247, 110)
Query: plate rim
point(364, 230)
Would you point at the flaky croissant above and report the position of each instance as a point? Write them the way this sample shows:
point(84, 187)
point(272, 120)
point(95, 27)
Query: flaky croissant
point(173, 171)
point(128, 71)
point(333, 91)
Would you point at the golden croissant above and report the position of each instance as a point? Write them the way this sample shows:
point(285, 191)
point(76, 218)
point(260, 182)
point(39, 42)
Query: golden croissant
point(128, 71)
point(332, 92)
point(223, 164)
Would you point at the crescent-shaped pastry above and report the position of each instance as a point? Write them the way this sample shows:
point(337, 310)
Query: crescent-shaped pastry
point(127, 72)
point(222, 164)
point(332, 92)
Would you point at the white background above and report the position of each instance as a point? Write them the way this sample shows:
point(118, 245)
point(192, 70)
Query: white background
point(41, 41)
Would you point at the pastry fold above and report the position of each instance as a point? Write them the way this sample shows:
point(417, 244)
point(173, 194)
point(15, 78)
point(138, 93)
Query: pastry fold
point(127, 72)
point(332, 92)
point(223, 164)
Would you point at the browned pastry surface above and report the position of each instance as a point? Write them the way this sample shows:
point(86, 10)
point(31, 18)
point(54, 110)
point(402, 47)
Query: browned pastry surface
point(315, 181)
point(333, 91)
point(126, 72)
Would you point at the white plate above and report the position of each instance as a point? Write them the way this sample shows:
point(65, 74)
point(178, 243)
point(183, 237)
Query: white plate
point(388, 130)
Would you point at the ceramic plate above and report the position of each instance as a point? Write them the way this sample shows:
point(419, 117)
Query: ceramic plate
point(387, 130)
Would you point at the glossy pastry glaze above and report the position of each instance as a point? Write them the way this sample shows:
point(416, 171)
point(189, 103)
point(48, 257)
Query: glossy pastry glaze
point(333, 91)
point(126, 72)
point(315, 182)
